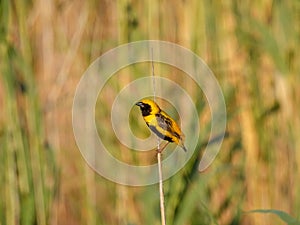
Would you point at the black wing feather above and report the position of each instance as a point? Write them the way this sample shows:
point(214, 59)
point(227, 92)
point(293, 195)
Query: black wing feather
point(166, 124)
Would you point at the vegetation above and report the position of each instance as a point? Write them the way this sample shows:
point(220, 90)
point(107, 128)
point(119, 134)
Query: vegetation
point(253, 49)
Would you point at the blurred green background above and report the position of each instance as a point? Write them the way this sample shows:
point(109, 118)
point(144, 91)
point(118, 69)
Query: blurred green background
point(253, 49)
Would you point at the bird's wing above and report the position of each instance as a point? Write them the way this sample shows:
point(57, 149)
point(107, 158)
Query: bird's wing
point(166, 123)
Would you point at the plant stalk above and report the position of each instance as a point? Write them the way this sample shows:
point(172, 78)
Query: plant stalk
point(161, 190)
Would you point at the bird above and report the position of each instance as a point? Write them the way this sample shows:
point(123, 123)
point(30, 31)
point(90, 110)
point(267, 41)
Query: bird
point(161, 123)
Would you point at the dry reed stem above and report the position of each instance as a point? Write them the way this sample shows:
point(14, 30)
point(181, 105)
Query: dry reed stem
point(161, 189)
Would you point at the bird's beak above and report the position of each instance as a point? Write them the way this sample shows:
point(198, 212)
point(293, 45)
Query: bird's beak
point(139, 104)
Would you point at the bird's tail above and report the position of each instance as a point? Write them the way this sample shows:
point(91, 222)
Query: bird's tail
point(183, 147)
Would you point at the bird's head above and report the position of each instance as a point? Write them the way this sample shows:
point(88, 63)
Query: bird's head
point(148, 107)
